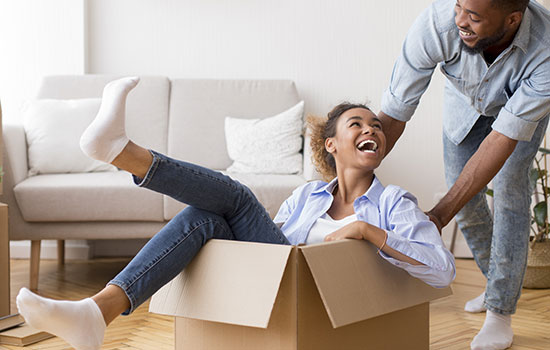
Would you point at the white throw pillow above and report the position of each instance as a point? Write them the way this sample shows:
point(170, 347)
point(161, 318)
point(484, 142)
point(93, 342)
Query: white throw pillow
point(266, 146)
point(53, 129)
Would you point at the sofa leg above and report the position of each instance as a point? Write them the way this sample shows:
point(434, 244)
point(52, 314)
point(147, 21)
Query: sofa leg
point(60, 252)
point(35, 264)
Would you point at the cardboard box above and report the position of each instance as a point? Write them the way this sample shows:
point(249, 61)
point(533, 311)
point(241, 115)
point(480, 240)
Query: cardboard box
point(338, 295)
point(4, 262)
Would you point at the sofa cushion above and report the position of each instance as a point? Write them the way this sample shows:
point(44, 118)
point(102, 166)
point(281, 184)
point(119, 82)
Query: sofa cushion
point(198, 109)
point(146, 107)
point(271, 190)
point(101, 196)
point(53, 128)
point(266, 146)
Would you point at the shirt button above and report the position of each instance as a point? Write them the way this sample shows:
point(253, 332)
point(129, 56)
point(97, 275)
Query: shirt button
point(486, 80)
point(480, 99)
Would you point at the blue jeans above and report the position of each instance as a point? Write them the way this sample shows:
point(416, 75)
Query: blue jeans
point(499, 244)
point(219, 207)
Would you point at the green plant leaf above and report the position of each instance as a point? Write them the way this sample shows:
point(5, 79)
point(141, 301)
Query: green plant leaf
point(533, 177)
point(544, 150)
point(489, 192)
point(540, 211)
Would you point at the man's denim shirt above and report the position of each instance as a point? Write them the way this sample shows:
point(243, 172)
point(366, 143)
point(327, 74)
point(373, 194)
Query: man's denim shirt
point(392, 209)
point(515, 88)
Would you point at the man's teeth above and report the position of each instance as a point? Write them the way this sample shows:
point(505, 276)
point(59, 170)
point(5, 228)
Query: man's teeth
point(368, 146)
point(465, 33)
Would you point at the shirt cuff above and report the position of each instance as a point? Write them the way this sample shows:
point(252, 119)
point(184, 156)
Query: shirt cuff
point(402, 245)
point(396, 108)
point(514, 127)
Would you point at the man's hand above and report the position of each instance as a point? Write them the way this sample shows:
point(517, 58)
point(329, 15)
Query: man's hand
point(484, 164)
point(435, 220)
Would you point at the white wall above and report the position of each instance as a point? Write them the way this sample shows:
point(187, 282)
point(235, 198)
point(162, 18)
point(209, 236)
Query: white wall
point(38, 38)
point(333, 50)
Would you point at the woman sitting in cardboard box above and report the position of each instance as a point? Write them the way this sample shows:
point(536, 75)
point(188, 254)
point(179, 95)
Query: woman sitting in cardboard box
point(350, 144)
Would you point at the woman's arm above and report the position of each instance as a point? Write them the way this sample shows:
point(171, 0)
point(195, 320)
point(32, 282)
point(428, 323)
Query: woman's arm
point(371, 233)
point(412, 241)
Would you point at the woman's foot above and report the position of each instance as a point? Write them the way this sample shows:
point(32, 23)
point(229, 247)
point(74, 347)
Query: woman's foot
point(79, 323)
point(496, 333)
point(106, 136)
point(476, 305)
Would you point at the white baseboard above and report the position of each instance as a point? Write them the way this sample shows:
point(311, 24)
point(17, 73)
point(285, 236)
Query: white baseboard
point(74, 250)
point(79, 249)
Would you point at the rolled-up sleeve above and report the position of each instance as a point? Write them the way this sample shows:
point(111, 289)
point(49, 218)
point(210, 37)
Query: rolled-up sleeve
point(521, 114)
point(413, 69)
point(413, 234)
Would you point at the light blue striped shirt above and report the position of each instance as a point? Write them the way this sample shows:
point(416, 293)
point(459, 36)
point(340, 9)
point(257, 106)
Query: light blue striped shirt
point(392, 209)
point(515, 88)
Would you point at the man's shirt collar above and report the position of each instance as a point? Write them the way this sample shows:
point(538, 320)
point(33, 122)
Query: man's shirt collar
point(523, 35)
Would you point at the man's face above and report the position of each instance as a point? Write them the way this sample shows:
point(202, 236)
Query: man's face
point(480, 25)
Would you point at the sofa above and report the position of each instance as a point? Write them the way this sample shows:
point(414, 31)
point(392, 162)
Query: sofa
point(183, 118)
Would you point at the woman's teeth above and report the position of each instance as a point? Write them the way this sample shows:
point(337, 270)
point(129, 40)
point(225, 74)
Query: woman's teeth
point(368, 146)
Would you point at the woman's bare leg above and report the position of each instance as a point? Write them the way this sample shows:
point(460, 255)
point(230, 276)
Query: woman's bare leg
point(112, 301)
point(134, 159)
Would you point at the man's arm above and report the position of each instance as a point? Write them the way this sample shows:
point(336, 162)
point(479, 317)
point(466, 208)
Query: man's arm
point(392, 128)
point(478, 171)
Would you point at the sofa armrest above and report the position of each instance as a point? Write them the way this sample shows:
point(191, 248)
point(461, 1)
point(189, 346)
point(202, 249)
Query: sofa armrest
point(310, 173)
point(15, 155)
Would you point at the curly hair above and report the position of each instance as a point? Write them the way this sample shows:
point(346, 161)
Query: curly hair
point(322, 128)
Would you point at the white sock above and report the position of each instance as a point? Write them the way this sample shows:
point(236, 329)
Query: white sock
point(79, 323)
point(496, 333)
point(476, 305)
point(106, 136)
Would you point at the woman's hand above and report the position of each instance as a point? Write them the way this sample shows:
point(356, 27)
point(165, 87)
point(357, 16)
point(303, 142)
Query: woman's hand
point(352, 230)
point(362, 230)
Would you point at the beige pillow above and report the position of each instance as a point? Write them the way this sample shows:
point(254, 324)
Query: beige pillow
point(53, 129)
point(266, 146)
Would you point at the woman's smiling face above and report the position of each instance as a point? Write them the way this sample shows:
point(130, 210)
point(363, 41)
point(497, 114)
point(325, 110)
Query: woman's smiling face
point(359, 141)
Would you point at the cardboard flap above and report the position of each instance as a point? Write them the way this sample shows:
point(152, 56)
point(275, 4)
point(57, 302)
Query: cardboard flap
point(356, 284)
point(228, 281)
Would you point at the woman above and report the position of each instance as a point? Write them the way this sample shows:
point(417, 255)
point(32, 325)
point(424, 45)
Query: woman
point(349, 144)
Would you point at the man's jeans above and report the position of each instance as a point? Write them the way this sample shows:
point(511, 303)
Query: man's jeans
point(219, 207)
point(499, 247)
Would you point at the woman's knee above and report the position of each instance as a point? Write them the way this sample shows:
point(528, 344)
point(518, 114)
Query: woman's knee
point(207, 225)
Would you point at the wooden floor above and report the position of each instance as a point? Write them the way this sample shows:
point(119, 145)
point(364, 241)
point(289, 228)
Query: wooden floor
point(450, 327)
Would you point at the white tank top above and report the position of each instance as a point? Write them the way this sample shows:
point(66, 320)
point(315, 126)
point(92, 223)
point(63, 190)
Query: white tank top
point(326, 225)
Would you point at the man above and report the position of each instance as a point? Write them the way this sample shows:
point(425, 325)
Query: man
point(495, 55)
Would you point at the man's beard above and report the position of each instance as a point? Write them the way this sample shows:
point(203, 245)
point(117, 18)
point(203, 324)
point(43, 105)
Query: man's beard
point(485, 43)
